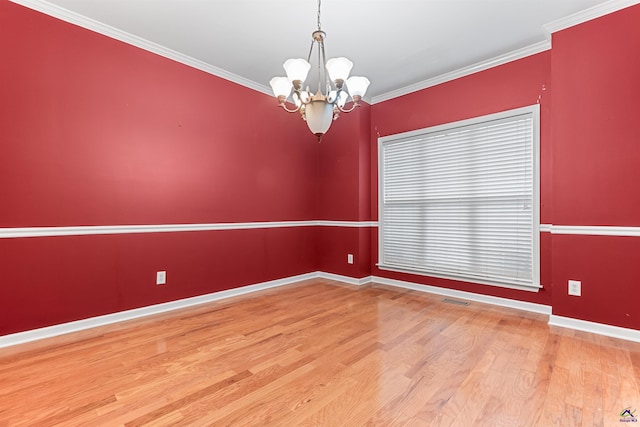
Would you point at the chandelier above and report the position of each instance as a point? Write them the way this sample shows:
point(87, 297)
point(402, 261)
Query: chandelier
point(335, 87)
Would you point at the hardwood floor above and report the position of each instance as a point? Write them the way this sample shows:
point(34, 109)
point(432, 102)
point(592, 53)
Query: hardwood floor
point(321, 353)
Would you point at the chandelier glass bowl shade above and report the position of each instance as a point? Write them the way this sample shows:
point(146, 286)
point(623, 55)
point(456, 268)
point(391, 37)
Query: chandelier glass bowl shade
point(335, 87)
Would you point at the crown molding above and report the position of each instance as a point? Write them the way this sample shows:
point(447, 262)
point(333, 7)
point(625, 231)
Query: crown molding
point(66, 15)
point(594, 12)
point(465, 71)
point(588, 14)
point(133, 40)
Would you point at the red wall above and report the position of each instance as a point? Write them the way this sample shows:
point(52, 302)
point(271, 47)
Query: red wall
point(344, 190)
point(97, 132)
point(516, 84)
point(590, 159)
point(51, 280)
point(596, 166)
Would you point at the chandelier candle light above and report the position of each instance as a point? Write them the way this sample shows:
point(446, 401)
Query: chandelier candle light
point(321, 108)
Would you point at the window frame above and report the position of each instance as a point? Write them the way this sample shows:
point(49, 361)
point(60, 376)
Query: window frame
point(534, 112)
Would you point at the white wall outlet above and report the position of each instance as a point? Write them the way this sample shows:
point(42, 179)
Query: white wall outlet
point(161, 278)
point(350, 258)
point(575, 288)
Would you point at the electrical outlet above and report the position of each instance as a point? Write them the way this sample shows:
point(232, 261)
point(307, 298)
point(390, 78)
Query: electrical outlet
point(161, 278)
point(575, 288)
point(350, 258)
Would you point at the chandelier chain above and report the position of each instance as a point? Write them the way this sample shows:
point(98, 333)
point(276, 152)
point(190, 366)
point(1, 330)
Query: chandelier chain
point(319, 28)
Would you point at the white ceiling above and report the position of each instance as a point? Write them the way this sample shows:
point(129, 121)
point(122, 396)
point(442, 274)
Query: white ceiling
point(395, 43)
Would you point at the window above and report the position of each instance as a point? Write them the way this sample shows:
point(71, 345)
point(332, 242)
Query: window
point(461, 200)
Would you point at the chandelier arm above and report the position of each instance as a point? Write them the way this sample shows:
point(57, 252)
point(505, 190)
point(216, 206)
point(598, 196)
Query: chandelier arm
point(282, 103)
point(348, 110)
point(284, 107)
point(356, 104)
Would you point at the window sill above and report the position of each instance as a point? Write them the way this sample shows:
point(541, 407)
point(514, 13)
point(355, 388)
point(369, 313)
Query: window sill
point(519, 287)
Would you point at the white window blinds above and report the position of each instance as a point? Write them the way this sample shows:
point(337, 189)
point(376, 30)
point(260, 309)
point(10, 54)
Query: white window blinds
point(461, 200)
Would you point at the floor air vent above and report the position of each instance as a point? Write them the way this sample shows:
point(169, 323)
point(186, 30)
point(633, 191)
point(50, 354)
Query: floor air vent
point(455, 301)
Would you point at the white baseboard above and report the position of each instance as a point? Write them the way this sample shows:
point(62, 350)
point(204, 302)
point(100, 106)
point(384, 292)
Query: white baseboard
point(345, 279)
point(564, 322)
point(108, 319)
point(80, 325)
point(487, 299)
point(595, 328)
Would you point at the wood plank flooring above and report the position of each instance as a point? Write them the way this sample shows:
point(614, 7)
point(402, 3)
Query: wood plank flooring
point(320, 353)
